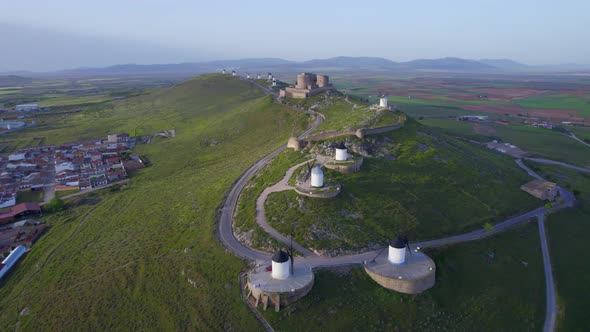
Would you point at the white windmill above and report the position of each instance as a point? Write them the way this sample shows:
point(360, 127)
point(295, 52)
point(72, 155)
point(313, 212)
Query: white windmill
point(383, 100)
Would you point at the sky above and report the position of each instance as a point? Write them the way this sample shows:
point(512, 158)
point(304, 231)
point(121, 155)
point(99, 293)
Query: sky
point(41, 35)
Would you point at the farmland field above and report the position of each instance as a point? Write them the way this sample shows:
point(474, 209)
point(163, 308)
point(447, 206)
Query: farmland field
point(559, 98)
point(540, 142)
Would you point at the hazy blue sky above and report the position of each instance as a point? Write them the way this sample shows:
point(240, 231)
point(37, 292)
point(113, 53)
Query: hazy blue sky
point(72, 33)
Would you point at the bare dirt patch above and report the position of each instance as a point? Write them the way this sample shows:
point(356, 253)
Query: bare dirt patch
point(508, 94)
point(496, 109)
point(484, 129)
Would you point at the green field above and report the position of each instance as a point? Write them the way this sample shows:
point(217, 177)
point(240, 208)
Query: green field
point(546, 143)
point(473, 292)
point(65, 100)
point(127, 262)
point(567, 234)
point(418, 194)
point(564, 102)
point(540, 142)
point(29, 196)
point(582, 133)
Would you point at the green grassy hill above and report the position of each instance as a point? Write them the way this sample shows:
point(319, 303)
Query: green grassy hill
point(146, 257)
point(341, 114)
point(437, 186)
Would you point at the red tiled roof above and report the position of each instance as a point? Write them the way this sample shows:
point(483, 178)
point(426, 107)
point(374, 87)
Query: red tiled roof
point(24, 207)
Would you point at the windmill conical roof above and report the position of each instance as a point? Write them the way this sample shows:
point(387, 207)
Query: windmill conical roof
point(280, 257)
point(398, 243)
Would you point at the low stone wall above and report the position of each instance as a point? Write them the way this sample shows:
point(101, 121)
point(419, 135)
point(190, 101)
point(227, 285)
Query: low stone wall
point(282, 299)
point(360, 133)
point(329, 134)
point(324, 192)
point(407, 286)
point(353, 167)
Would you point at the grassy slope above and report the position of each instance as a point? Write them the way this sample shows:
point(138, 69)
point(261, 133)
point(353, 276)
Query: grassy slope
point(544, 143)
point(416, 194)
point(126, 267)
point(472, 293)
point(341, 115)
point(568, 242)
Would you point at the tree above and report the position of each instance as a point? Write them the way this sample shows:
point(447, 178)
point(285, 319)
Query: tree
point(548, 206)
point(55, 205)
point(488, 226)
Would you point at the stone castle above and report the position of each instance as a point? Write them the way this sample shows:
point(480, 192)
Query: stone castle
point(308, 84)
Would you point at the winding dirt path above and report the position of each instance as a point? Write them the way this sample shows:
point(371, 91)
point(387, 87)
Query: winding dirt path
point(282, 185)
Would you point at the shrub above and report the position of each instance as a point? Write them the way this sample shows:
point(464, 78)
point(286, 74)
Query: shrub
point(488, 226)
point(548, 206)
point(55, 205)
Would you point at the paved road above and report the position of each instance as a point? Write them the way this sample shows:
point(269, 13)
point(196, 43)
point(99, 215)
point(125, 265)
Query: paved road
point(559, 163)
point(224, 226)
point(572, 135)
point(528, 170)
point(551, 302)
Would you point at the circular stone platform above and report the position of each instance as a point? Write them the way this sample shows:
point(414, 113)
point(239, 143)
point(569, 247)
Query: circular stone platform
point(263, 288)
point(416, 275)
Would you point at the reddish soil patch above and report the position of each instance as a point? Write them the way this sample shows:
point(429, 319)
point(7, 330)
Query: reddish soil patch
point(509, 93)
point(484, 129)
point(496, 109)
point(556, 114)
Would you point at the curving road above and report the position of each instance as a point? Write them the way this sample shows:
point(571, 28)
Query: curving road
point(559, 163)
point(224, 226)
point(551, 302)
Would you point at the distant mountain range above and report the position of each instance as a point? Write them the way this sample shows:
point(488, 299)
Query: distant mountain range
point(341, 63)
point(14, 80)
